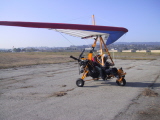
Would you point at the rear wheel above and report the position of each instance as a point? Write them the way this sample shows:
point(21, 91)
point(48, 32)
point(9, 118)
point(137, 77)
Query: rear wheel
point(80, 82)
point(122, 83)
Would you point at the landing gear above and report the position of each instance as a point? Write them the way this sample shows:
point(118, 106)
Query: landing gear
point(122, 82)
point(80, 82)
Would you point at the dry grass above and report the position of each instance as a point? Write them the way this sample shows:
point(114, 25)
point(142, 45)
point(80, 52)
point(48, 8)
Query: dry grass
point(60, 93)
point(8, 60)
point(26, 87)
point(136, 56)
point(149, 92)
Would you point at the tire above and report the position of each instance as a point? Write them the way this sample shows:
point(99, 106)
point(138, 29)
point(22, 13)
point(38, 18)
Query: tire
point(80, 82)
point(123, 83)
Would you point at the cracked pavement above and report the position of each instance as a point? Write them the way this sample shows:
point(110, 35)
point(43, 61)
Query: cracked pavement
point(30, 92)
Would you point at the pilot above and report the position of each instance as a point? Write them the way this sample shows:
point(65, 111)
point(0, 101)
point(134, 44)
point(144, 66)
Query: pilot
point(101, 69)
point(104, 70)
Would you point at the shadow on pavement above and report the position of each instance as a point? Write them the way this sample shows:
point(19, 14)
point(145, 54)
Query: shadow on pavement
point(138, 84)
point(128, 84)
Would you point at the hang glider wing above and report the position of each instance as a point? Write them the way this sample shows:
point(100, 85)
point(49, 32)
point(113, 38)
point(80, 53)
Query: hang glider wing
point(84, 31)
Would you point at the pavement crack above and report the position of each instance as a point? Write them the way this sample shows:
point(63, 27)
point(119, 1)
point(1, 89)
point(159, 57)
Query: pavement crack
point(138, 96)
point(132, 103)
point(155, 80)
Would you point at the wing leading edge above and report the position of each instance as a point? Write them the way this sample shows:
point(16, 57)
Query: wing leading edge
point(79, 30)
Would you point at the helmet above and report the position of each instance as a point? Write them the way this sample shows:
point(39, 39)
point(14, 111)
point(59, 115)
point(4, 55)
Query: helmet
point(105, 56)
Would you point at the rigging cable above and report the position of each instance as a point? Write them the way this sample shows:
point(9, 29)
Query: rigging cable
point(66, 39)
point(89, 46)
point(106, 21)
point(76, 19)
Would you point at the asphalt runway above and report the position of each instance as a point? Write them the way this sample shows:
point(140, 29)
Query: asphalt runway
point(31, 92)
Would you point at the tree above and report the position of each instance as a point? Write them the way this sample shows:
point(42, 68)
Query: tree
point(16, 50)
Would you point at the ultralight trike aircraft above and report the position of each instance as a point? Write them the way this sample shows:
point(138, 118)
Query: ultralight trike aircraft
point(98, 33)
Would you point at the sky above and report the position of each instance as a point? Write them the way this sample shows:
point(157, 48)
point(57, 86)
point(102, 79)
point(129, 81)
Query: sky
point(140, 17)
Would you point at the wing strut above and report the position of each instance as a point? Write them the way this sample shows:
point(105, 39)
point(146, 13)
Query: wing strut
point(102, 43)
point(101, 40)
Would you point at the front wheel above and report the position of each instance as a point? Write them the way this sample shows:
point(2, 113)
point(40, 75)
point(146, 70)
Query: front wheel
point(122, 83)
point(80, 82)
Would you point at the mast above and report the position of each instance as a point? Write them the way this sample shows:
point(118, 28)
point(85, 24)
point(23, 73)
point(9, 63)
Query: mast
point(93, 20)
point(102, 44)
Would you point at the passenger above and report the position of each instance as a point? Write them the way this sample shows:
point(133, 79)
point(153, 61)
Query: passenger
point(107, 68)
point(106, 63)
point(104, 70)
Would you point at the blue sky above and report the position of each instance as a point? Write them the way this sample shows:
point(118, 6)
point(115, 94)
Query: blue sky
point(140, 17)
